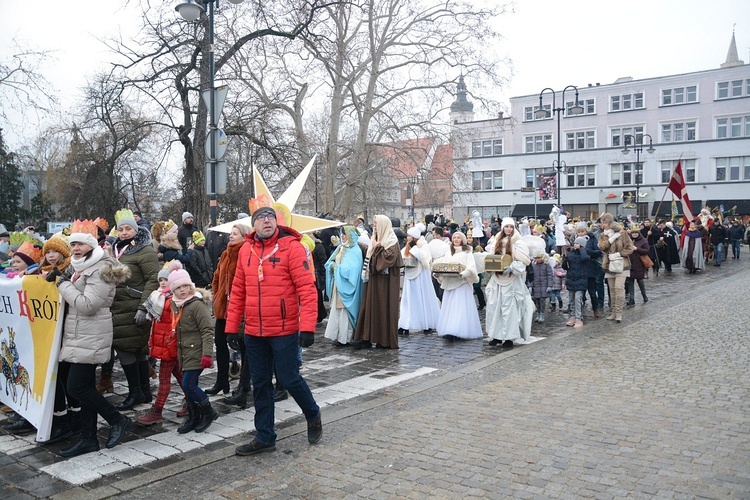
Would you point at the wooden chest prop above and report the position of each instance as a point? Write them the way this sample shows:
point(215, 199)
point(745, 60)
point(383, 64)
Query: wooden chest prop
point(497, 263)
point(448, 268)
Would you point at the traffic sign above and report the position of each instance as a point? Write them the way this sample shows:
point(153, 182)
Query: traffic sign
point(219, 138)
point(220, 94)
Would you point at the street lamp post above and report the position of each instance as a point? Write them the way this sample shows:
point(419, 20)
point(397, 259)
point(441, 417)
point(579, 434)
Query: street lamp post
point(190, 10)
point(540, 113)
point(638, 147)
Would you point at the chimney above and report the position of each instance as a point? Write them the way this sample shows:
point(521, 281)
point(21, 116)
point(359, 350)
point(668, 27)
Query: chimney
point(500, 115)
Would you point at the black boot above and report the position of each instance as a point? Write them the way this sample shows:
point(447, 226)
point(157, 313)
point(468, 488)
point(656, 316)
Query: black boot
point(144, 373)
point(85, 445)
point(238, 397)
point(193, 418)
point(75, 420)
point(135, 394)
point(218, 387)
point(117, 431)
point(207, 416)
point(20, 426)
point(61, 428)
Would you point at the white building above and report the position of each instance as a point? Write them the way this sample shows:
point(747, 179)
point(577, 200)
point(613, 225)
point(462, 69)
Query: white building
point(701, 119)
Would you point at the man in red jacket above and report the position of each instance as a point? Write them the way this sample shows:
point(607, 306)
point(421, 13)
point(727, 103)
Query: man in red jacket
point(274, 290)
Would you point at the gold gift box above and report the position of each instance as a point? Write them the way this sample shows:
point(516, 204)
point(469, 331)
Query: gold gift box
point(497, 263)
point(448, 268)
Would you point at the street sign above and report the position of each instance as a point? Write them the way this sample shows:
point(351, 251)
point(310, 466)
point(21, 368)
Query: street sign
point(528, 189)
point(220, 94)
point(221, 178)
point(219, 139)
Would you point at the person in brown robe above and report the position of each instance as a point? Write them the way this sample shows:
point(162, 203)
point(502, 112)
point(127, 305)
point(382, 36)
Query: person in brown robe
point(378, 311)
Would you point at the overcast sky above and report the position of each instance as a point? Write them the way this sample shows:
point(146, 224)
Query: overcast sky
point(552, 43)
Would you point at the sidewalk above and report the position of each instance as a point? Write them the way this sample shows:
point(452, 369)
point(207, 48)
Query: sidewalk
point(655, 407)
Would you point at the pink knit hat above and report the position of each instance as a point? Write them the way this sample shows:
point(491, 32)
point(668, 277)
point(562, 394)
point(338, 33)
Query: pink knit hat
point(178, 278)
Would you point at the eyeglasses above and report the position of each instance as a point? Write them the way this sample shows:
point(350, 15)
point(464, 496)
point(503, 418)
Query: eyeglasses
point(266, 217)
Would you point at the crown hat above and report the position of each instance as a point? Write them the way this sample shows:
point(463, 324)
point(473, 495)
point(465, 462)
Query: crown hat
point(84, 231)
point(125, 216)
point(30, 253)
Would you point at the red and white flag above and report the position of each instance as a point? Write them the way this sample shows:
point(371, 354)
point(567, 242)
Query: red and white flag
point(678, 186)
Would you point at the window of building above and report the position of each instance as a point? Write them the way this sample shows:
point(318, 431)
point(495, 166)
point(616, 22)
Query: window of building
point(582, 176)
point(622, 174)
point(530, 116)
point(493, 147)
point(688, 170)
point(678, 132)
point(617, 135)
point(733, 168)
point(679, 95)
point(735, 126)
point(626, 102)
point(733, 89)
point(581, 140)
point(538, 143)
point(487, 181)
point(588, 106)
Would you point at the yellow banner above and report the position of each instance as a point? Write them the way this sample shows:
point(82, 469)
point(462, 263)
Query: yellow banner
point(31, 323)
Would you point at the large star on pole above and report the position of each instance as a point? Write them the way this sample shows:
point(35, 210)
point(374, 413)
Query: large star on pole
point(283, 206)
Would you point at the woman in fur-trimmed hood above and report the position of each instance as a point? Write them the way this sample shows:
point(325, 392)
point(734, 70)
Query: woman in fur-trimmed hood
point(131, 323)
point(510, 309)
point(87, 336)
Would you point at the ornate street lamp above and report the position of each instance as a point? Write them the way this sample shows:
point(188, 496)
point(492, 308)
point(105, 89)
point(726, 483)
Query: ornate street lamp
point(540, 113)
point(637, 147)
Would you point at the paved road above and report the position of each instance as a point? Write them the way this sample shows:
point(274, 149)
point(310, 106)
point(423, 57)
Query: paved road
point(654, 406)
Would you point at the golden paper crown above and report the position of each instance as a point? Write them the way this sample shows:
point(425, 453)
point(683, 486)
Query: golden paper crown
point(85, 226)
point(102, 223)
point(264, 200)
point(28, 249)
point(125, 215)
point(170, 226)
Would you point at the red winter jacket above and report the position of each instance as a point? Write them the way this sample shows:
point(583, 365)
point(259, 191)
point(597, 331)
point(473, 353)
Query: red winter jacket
point(163, 341)
point(286, 301)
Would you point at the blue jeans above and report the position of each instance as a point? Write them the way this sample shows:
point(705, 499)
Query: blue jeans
point(736, 248)
point(262, 354)
point(719, 253)
point(190, 385)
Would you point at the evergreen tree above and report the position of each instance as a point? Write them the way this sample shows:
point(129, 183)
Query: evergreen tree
point(12, 187)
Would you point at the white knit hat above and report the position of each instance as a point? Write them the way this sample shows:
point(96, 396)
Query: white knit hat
point(186, 215)
point(83, 238)
point(414, 232)
point(508, 221)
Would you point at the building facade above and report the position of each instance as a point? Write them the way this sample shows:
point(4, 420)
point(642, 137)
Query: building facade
point(700, 119)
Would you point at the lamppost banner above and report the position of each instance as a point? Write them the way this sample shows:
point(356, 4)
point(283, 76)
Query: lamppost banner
point(547, 187)
point(31, 319)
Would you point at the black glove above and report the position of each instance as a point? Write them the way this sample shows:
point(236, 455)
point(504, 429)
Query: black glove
point(233, 340)
point(53, 274)
point(141, 318)
point(306, 339)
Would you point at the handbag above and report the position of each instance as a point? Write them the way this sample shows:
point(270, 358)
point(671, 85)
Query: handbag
point(616, 263)
point(646, 261)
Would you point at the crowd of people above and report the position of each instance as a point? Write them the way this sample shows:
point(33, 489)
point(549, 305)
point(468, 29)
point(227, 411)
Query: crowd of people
point(157, 295)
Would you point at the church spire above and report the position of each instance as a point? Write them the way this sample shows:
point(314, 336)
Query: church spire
point(732, 57)
point(461, 110)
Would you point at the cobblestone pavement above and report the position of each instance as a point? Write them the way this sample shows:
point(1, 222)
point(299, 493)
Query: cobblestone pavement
point(654, 406)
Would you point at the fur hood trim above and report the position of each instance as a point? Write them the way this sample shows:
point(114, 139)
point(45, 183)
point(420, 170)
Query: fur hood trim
point(114, 272)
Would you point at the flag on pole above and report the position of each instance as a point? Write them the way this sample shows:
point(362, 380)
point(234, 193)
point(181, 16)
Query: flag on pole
point(678, 186)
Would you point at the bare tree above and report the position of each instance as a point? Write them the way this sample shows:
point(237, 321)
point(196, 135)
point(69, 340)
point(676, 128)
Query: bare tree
point(22, 86)
point(392, 65)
